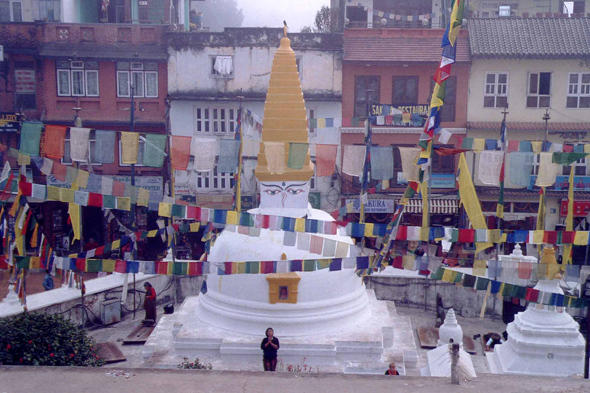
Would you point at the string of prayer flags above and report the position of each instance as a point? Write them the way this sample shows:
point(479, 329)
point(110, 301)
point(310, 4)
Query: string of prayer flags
point(325, 159)
point(381, 163)
point(297, 155)
point(79, 143)
point(154, 150)
point(229, 151)
point(30, 138)
point(129, 147)
point(104, 146)
point(275, 156)
point(353, 160)
point(54, 143)
point(204, 151)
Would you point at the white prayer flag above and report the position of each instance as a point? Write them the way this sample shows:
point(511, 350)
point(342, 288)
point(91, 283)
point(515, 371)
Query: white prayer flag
point(490, 165)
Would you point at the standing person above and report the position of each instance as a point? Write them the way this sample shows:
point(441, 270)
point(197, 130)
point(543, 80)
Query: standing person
point(48, 281)
point(269, 346)
point(391, 370)
point(149, 304)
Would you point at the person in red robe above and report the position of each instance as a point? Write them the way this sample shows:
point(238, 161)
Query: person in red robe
point(149, 304)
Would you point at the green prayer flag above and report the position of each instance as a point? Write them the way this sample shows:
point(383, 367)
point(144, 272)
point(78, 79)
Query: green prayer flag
point(467, 143)
point(438, 275)
point(109, 201)
point(458, 277)
point(354, 122)
point(94, 265)
point(309, 265)
point(567, 158)
point(297, 155)
point(154, 150)
point(482, 284)
point(179, 268)
point(469, 281)
point(252, 267)
point(178, 210)
point(30, 137)
point(23, 262)
point(520, 292)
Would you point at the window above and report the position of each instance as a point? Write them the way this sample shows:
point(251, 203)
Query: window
point(140, 150)
point(216, 119)
point(536, 164)
point(357, 16)
point(496, 89)
point(299, 60)
point(504, 10)
point(222, 66)
point(580, 168)
point(67, 160)
point(49, 10)
point(447, 111)
point(25, 85)
point(213, 180)
point(539, 90)
point(17, 13)
point(77, 78)
point(365, 86)
point(443, 164)
point(313, 181)
point(312, 114)
point(578, 92)
point(5, 11)
point(405, 90)
point(143, 77)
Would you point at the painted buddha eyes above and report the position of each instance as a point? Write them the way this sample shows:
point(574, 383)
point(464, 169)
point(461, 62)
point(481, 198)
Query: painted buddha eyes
point(296, 191)
point(272, 192)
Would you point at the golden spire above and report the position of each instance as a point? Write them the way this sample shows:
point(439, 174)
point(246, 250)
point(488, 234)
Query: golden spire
point(285, 116)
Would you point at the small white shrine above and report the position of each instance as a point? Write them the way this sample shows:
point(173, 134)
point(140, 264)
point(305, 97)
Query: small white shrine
point(439, 359)
point(542, 340)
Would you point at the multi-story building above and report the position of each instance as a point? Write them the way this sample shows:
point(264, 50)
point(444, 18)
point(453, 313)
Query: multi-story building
point(528, 8)
point(205, 99)
point(396, 67)
point(535, 66)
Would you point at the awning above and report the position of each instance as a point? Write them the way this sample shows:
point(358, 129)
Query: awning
point(437, 206)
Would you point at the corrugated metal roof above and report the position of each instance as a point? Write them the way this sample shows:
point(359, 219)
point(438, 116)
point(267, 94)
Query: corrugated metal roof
point(531, 126)
point(529, 37)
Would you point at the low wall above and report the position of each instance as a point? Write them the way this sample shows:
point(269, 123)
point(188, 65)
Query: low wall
point(169, 290)
point(421, 293)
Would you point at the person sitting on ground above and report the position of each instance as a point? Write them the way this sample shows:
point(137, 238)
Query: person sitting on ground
point(391, 370)
point(270, 346)
point(48, 281)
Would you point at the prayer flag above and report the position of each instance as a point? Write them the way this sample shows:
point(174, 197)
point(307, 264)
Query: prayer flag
point(229, 152)
point(129, 147)
point(275, 156)
point(381, 163)
point(79, 143)
point(325, 159)
point(297, 155)
point(154, 150)
point(54, 144)
point(30, 138)
point(180, 147)
point(547, 170)
point(353, 160)
point(204, 151)
point(521, 167)
point(104, 146)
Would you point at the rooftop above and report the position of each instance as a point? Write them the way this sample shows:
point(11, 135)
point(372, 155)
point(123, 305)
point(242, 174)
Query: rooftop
point(529, 126)
point(557, 38)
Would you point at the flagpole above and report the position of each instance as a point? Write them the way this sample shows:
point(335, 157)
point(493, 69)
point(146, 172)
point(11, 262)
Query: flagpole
point(365, 175)
point(239, 135)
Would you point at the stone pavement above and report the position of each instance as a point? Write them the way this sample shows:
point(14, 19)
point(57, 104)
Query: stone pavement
point(97, 380)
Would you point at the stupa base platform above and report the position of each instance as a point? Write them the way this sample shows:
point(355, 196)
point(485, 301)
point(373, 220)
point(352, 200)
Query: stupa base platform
point(371, 341)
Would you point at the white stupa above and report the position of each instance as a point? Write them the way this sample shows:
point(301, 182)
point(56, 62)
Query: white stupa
point(326, 316)
point(542, 340)
point(439, 359)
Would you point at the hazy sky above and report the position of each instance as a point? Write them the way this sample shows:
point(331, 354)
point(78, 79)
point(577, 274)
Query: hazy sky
point(271, 13)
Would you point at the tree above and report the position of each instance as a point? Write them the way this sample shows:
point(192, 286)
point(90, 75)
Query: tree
point(325, 20)
point(218, 14)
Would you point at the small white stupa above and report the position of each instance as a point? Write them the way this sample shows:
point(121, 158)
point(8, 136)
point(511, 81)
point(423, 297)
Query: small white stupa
point(439, 359)
point(542, 340)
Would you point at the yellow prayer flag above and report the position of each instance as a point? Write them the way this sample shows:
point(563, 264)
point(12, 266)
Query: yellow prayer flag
point(24, 159)
point(232, 218)
point(479, 144)
point(129, 146)
point(66, 195)
point(435, 101)
point(300, 225)
point(538, 237)
point(35, 263)
point(385, 184)
point(82, 178)
point(108, 265)
point(408, 262)
point(537, 146)
point(116, 244)
point(15, 204)
point(425, 212)
point(74, 211)
point(239, 267)
point(553, 269)
point(447, 275)
point(504, 238)
point(153, 233)
point(581, 238)
point(321, 123)
point(33, 241)
point(470, 201)
point(124, 203)
point(165, 209)
point(143, 197)
point(587, 148)
point(369, 229)
point(52, 193)
point(479, 267)
point(194, 226)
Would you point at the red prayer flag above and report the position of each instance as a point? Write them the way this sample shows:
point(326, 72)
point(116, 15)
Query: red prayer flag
point(94, 199)
point(446, 151)
point(266, 267)
point(525, 270)
point(568, 148)
point(54, 144)
point(121, 266)
point(81, 264)
point(180, 151)
point(513, 146)
point(466, 236)
point(161, 267)
point(195, 268)
point(402, 233)
point(59, 171)
point(398, 262)
point(532, 295)
point(568, 237)
point(118, 188)
point(325, 159)
point(25, 188)
point(550, 237)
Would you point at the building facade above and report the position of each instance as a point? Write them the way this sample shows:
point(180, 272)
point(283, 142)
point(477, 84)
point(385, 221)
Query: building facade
point(205, 100)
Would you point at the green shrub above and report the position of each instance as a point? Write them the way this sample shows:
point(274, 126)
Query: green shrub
point(196, 365)
point(45, 340)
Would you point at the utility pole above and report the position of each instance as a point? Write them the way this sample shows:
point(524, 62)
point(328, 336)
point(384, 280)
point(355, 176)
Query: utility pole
point(239, 136)
point(454, 348)
point(133, 205)
point(546, 119)
point(365, 175)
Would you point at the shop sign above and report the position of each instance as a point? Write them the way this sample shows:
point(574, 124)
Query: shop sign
point(581, 208)
point(215, 201)
point(405, 110)
point(10, 121)
point(24, 81)
point(562, 183)
point(374, 206)
point(442, 180)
